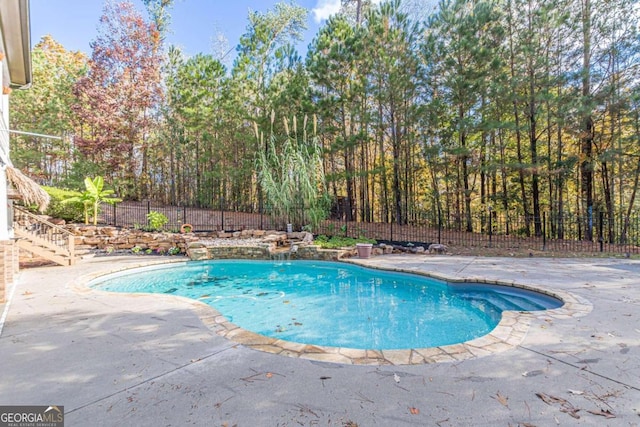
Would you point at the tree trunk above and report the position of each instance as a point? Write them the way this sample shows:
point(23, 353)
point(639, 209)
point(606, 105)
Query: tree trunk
point(586, 139)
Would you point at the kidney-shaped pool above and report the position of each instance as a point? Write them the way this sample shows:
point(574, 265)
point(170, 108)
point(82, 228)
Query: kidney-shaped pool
point(335, 304)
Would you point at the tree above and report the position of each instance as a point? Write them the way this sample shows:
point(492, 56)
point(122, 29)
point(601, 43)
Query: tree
point(194, 92)
point(332, 63)
point(116, 101)
point(392, 40)
point(461, 47)
point(47, 109)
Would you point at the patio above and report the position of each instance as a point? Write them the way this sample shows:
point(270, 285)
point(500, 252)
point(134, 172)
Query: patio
point(113, 359)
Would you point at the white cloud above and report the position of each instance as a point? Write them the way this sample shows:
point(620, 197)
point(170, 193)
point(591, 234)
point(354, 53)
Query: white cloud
point(324, 9)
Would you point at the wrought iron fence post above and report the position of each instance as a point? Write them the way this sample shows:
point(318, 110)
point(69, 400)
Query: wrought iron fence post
point(490, 227)
point(260, 208)
point(439, 226)
point(346, 221)
point(115, 217)
point(184, 214)
point(148, 207)
point(222, 214)
point(544, 231)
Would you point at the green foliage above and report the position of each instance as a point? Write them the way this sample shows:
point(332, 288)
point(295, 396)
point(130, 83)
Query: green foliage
point(46, 108)
point(81, 169)
point(156, 220)
point(60, 208)
point(92, 197)
point(336, 242)
point(117, 98)
point(292, 178)
point(524, 105)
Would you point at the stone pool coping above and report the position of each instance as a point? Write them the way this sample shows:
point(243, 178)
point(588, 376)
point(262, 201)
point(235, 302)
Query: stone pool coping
point(509, 333)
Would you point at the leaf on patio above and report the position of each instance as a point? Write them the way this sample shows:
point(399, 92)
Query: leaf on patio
point(269, 375)
point(504, 401)
point(606, 413)
point(569, 409)
point(550, 399)
point(396, 378)
point(414, 411)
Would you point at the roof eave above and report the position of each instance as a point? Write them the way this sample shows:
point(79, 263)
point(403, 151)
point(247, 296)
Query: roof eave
point(16, 30)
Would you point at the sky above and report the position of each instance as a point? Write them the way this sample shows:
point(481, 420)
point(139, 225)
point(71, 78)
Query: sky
point(194, 23)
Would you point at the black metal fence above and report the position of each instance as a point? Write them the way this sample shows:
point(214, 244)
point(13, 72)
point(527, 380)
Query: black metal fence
point(566, 234)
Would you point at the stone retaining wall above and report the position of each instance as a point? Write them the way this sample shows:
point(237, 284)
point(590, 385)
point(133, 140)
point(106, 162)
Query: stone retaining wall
point(250, 243)
point(90, 237)
point(201, 251)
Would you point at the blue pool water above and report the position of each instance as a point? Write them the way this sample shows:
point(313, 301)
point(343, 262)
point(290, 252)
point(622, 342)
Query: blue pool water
point(335, 304)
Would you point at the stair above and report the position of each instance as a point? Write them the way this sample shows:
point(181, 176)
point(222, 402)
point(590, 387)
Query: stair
point(43, 238)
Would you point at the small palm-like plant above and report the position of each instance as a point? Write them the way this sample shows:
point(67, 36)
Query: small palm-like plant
point(91, 198)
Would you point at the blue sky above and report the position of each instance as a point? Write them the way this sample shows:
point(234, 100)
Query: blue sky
point(195, 23)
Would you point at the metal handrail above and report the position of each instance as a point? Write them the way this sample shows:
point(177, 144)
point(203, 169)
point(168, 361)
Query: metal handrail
point(44, 231)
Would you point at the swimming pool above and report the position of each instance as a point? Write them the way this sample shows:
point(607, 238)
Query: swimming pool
point(335, 304)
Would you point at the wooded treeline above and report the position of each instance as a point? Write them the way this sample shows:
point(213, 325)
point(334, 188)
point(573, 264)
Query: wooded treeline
point(514, 107)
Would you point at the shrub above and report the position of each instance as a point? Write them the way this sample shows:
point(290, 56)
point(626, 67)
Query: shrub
point(70, 212)
point(156, 220)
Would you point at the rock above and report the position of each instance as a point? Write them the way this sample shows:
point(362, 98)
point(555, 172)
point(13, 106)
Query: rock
point(94, 241)
point(296, 235)
point(109, 231)
point(437, 248)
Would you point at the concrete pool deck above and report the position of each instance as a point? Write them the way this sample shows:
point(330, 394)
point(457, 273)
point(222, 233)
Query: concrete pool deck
point(148, 360)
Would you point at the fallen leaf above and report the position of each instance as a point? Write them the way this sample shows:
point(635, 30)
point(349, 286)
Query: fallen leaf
point(606, 413)
point(550, 399)
point(572, 411)
point(269, 375)
point(502, 399)
point(414, 411)
point(396, 378)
